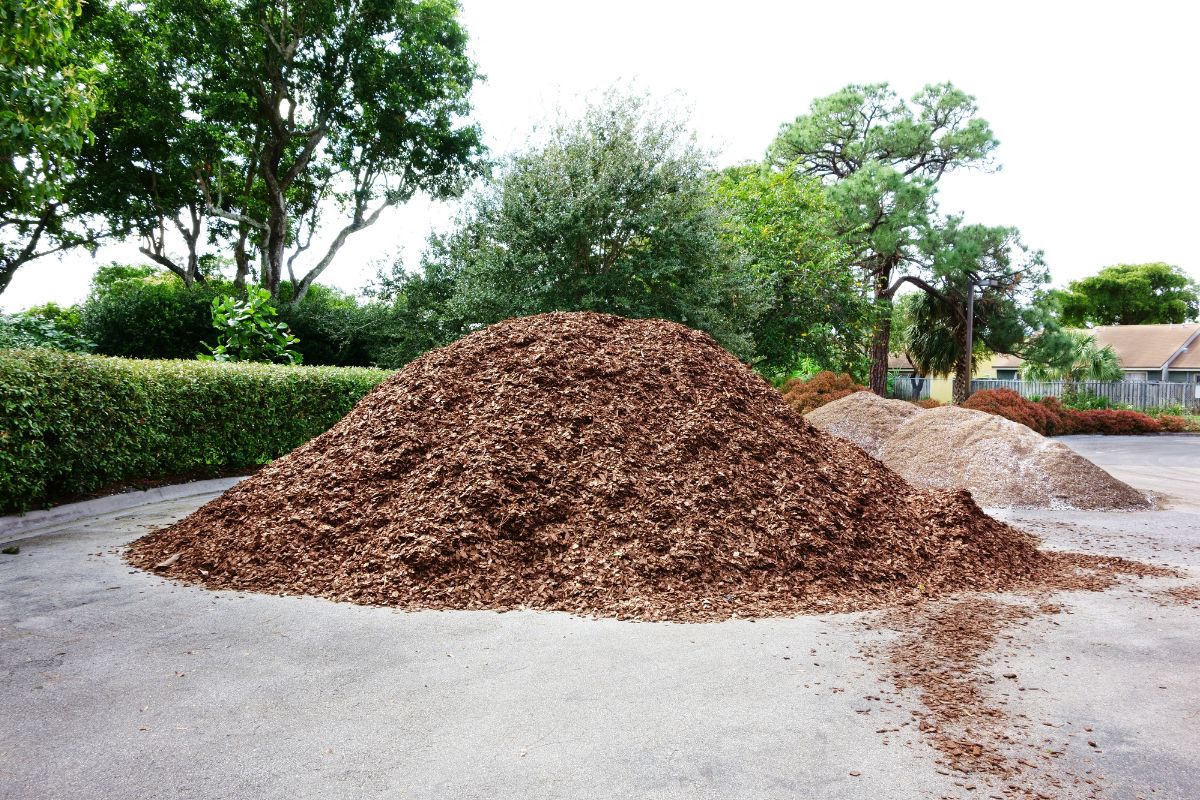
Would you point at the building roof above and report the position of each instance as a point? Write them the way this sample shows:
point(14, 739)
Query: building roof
point(1138, 347)
point(898, 361)
point(1148, 346)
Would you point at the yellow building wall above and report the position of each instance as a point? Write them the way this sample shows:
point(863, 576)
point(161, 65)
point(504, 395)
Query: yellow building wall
point(941, 389)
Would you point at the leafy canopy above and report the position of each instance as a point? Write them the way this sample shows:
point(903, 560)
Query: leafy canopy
point(47, 99)
point(881, 159)
point(811, 308)
point(610, 213)
point(1131, 294)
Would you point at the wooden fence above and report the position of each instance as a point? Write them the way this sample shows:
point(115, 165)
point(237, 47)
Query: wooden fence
point(1135, 394)
point(906, 388)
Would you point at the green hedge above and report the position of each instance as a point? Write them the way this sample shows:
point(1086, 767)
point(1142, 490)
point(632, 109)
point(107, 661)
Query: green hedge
point(71, 423)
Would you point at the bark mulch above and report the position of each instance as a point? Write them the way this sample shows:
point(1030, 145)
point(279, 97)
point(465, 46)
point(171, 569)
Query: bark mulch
point(597, 465)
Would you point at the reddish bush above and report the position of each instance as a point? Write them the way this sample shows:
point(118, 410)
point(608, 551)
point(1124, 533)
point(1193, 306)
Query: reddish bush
point(822, 388)
point(1010, 405)
point(928, 402)
point(1050, 417)
point(1173, 424)
point(1112, 421)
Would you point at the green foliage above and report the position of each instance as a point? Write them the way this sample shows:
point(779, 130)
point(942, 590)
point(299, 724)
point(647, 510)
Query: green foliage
point(72, 424)
point(47, 94)
point(27, 330)
point(811, 305)
point(248, 331)
point(611, 213)
point(67, 319)
point(880, 160)
point(266, 117)
point(138, 312)
point(1131, 294)
point(1007, 314)
point(1082, 359)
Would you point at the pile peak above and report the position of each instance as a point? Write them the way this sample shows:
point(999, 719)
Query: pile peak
point(594, 464)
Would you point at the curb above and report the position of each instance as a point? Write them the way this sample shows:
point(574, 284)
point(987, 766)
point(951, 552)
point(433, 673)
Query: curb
point(35, 523)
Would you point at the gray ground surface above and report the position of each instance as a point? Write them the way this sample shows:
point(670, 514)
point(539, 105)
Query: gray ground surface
point(117, 684)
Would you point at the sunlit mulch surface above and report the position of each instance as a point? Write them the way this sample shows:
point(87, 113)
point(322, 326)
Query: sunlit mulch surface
point(597, 465)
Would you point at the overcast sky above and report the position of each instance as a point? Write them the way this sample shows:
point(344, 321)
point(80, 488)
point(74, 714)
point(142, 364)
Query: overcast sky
point(1094, 105)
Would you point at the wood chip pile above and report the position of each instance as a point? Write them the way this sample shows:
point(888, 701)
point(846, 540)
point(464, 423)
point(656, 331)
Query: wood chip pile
point(592, 464)
point(1000, 462)
point(864, 418)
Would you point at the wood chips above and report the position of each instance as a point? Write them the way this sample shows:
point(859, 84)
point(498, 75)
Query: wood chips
point(596, 465)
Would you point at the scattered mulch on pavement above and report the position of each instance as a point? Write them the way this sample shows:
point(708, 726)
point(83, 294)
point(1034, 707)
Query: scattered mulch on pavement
point(592, 464)
point(1002, 463)
point(864, 418)
point(946, 660)
point(1187, 595)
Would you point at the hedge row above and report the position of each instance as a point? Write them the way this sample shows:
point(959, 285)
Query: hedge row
point(71, 424)
point(1050, 417)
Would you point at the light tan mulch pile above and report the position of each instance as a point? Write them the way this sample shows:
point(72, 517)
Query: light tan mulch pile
point(1000, 462)
point(864, 418)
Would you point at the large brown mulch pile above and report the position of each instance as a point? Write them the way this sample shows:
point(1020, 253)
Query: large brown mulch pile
point(597, 465)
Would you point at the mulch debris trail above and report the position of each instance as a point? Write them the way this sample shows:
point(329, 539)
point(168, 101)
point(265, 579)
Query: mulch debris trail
point(945, 659)
point(592, 464)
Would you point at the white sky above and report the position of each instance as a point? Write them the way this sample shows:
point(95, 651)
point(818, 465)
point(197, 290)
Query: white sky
point(1094, 105)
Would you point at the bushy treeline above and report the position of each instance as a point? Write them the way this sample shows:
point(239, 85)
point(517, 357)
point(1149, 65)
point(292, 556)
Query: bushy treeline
point(146, 313)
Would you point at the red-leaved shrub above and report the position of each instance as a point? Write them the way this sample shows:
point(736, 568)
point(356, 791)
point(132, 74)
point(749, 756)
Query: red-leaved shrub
point(1006, 403)
point(822, 388)
point(1050, 417)
point(928, 402)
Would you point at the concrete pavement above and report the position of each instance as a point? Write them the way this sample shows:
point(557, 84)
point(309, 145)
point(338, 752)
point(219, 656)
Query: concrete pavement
point(117, 684)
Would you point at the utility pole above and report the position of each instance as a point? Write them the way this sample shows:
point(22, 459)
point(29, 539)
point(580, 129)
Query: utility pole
point(971, 284)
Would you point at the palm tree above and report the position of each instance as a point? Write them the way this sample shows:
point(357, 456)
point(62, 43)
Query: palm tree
point(1082, 360)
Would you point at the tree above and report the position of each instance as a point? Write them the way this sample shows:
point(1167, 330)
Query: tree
point(611, 213)
point(880, 160)
point(317, 103)
point(48, 101)
point(812, 306)
point(1082, 360)
point(137, 173)
point(1131, 294)
point(1006, 317)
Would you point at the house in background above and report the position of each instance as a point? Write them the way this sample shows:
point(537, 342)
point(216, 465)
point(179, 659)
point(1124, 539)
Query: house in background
point(1169, 353)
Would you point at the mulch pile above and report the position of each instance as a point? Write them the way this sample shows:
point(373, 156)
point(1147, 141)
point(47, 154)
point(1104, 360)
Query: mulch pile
point(1003, 464)
point(597, 465)
point(864, 418)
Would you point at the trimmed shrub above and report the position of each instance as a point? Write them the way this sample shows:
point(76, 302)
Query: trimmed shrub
point(822, 388)
point(928, 402)
point(1006, 403)
point(71, 424)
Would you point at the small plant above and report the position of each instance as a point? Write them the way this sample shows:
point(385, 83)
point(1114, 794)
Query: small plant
point(248, 331)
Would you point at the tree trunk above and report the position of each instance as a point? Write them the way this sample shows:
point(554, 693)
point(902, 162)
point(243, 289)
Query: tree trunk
point(962, 379)
point(881, 334)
